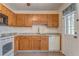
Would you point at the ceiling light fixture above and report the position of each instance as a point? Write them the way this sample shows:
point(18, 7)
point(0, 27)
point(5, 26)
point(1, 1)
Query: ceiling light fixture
point(28, 4)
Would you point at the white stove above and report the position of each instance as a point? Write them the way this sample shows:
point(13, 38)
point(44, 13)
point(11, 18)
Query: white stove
point(6, 46)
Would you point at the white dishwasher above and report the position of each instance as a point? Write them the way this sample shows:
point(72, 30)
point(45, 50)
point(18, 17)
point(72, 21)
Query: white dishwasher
point(54, 42)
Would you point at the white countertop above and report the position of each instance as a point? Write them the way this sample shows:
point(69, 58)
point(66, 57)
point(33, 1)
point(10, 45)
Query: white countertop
point(6, 35)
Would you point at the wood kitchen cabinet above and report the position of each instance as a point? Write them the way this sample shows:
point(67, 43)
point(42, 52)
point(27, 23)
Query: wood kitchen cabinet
point(31, 43)
point(13, 19)
point(44, 43)
point(23, 20)
point(4, 10)
point(0, 6)
point(43, 18)
point(20, 20)
point(11, 16)
point(16, 43)
point(36, 42)
point(28, 20)
point(35, 18)
point(40, 18)
point(25, 43)
point(53, 20)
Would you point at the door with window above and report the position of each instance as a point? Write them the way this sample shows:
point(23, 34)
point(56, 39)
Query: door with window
point(69, 15)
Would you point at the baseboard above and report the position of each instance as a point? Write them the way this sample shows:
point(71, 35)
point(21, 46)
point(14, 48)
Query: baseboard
point(36, 51)
point(32, 51)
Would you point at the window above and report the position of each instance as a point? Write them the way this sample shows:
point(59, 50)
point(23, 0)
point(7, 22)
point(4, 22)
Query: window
point(69, 17)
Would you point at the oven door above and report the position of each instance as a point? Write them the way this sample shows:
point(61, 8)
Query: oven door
point(6, 48)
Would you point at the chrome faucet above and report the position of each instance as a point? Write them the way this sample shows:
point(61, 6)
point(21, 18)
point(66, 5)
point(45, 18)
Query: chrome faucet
point(38, 30)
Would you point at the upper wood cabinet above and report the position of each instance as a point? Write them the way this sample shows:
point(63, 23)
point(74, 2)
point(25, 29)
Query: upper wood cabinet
point(4, 10)
point(35, 19)
point(13, 19)
point(28, 20)
point(23, 20)
point(39, 18)
point(53, 20)
point(0, 7)
point(11, 16)
point(20, 20)
point(43, 18)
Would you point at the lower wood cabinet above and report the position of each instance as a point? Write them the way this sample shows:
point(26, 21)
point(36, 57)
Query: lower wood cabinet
point(31, 43)
point(36, 43)
point(44, 43)
point(25, 43)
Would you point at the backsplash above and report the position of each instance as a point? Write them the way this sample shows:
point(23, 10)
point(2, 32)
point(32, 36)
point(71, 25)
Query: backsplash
point(33, 29)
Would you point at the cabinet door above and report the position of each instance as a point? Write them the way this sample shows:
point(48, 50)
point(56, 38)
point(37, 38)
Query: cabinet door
point(53, 20)
point(40, 18)
point(16, 43)
point(43, 18)
point(31, 43)
point(24, 43)
point(20, 20)
point(35, 19)
point(9, 18)
point(28, 20)
point(4, 10)
point(44, 43)
point(0, 7)
point(36, 43)
point(13, 19)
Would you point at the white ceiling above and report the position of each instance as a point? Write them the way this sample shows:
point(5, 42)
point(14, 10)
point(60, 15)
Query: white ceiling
point(34, 6)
